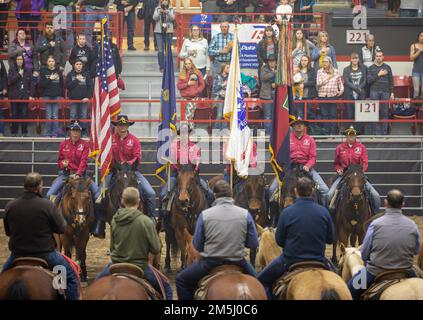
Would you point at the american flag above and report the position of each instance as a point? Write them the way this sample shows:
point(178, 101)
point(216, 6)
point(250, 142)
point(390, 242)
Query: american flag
point(106, 103)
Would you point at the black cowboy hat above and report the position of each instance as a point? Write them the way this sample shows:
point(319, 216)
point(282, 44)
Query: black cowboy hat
point(122, 119)
point(351, 131)
point(294, 120)
point(74, 125)
point(189, 125)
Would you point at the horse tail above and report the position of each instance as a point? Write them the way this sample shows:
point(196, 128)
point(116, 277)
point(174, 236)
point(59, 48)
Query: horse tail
point(17, 291)
point(330, 294)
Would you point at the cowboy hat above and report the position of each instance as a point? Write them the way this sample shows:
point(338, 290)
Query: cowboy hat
point(74, 125)
point(294, 120)
point(122, 119)
point(350, 131)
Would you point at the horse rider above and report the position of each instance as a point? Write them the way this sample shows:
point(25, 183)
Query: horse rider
point(390, 243)
point(30, 221)
point(132, 237)
point(303, 230)
point(303, 152)
point(183, 151)
point(72, 161)
point(348, 153)
point(221, 235)
point(252, 164)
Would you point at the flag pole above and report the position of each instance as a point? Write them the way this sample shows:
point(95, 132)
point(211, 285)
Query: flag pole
point(232, 175)
point(168, 177)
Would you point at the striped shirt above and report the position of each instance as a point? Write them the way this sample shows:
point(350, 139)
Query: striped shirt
point(326, 87)
point(218, 42)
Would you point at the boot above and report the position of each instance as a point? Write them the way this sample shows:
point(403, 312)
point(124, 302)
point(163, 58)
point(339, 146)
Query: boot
point(100, 230)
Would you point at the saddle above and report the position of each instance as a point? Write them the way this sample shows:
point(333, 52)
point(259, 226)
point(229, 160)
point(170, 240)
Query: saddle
point(135, 273)
point(280, 287)
point(204, 283)
point(383, 281)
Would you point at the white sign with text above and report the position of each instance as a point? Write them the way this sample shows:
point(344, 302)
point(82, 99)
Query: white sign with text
point(367, 110)
point(357, 36)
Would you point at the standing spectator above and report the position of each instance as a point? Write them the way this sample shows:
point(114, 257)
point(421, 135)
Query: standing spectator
point(410, 8)
point(302, 47)
point(220, 48)
point(82, 52)
point(164, 16)
point(219, 92)
point(379, 77)
point(30, 15)
point(229, 6)
point(266, 6)
point(117, 60)
point(51, 44)
point(127, 7)
point(329, 87)
point(323, 49)
point(19, 89)
point(4, 8)
point(57, 5)
point(368, 52)
point(196, 48)
point(416, 55)
point(283, 11)
point(149, 6)
point(80, 87)
point(51, 88)
point(393, 8)
point(21, 46)
point(355, 81)
point(94, 10)
point(267, 91)
point(267, 47)
point(304, 14)
point(3, 92)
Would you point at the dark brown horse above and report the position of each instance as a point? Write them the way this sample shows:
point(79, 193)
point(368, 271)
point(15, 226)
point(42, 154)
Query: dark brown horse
point(188, 203)
point(352, 209)
point(77, 208)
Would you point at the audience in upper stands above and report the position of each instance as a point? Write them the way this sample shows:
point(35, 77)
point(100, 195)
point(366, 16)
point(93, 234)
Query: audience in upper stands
point(196, 48)
point(301, 47)
point(266, 6)
point(303, 10)
point(267, 47)
point(4, 14)
point(416, 55)
point(94, 11)
point(127, 7)
point(230, 6)
point(267, 90)
point(220, 48)
point(51, 44)
point(218, 93)
point(410, 8)
point(283, 11)
point(367, 53)
point(22, 46)
point(83, 52)
point(323, 49)
point(148, 7)
point(190, 82)
point(308, 88)
point(66, 26)
point(164, 16)
point(30, 16)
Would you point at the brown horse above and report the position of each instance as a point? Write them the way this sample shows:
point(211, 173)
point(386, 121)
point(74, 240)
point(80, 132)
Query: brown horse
point(77, 208)
point(188, 203)
point(352, 210)
point(420, 259)
point(116, 288)
point(268, 248)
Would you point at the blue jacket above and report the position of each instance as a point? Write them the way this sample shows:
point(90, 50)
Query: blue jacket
point(303, 231)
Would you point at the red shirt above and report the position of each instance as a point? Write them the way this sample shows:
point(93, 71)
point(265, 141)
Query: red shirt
point(192, 156)
point(76, 154)
point(253, 156)
point(346, 155)
point(303, 150)
point(127, 149)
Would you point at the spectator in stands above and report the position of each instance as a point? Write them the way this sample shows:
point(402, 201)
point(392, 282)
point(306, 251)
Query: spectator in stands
point(51, 88)
point(80, 87)
point(164, 15)
point(127, 7)
point(3, 92)
point(410, 8)
point(229, 6)
point(393, 8)
point(51, 44)
point(367, 53)
point(267, 47)
point(220, 48)
point(283, 11)
point(196, 48)
point(219, 92)
point(190, 83)
point(30, 15)
point(302, 47)
point(117, 60)
point(267, 91)
point(82, 52)
point(380, 80)
point(94, 10)
point(355, 81)
point(323, 49)
point(266, 6)
point(329, 87)
point(22, 46)
point(67, 29)
point(303, 10)
point(416, 55)
point(4, 8)
point(19, 81)
point(149, 6)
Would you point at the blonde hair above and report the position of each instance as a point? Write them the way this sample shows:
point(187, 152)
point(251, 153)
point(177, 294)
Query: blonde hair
point(331, 68)
point(130, 197)
point(184, 72)
point(319, 38)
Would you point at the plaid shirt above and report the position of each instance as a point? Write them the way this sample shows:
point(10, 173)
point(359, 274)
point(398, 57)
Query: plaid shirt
point(328, 88)
point(218, 43)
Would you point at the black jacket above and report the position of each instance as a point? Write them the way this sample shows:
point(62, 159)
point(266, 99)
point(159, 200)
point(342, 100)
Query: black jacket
point(44, 49)
point(116, 59)
point(3, 76)
point(380, 84)
point(238, 6)
point(48, 87)
point(20, 85)
point(350, 87)
point(310, 85)
point(30, 222)
point(78, 90)
point(262, 54)
point(85, 53)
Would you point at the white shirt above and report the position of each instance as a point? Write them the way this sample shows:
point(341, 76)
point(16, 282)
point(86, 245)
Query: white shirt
point(200, 58)
point(283, 9)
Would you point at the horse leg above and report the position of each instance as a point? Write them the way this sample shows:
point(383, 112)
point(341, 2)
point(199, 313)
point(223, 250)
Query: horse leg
point(67, 245)
point(167, 259)
point(335, 240)
point(182, 246)
point(353, 236)
point(81, 254)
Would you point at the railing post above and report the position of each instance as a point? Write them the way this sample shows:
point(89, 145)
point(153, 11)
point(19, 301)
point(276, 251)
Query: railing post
point(149, 109)
point(32, 155)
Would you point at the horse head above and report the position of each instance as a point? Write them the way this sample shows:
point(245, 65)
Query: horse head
point(78, 201)
point(255, 186)
point(123, 176)
point(350, 262)
point(355, 179)
point(187, 179)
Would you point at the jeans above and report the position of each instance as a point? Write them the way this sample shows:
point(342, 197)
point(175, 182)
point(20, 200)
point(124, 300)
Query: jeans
point(268, 115)
point(411, 13)
point(19, 111)
point(369, 189)
point(380, 128)
point(54, 259)
point(60, 181)
point(187, 280)
point(27, 20)
point(148, 22)
point(219, 115)
point(161, 41)
point(417, 84)
point(52, 113)
point(130, 25)
point(328, 111)
point(90, 17)
point(149, 276)
point(79, 111)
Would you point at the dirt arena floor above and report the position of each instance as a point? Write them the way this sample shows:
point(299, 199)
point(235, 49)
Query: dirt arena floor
point(97, 253)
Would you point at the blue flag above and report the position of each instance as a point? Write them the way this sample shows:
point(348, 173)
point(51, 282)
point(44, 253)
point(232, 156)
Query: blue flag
point(167, 110)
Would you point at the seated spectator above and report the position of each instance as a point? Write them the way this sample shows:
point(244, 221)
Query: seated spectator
point(220, 83)
point(410, 8)
point(304, 14)
point(368, 52)
point(416, 55)
point(301, 47)
point(220, 48)
point(323, 49)
point(19, 81)
point(3, 92)
point(329, 87)
point(67, 29)
point(80, 87)
point(30, 17)
point(164, 16)
point(267, 47)
point(22, 46)
point(379, 77)
point(51, 44)
point(82, 52)
point(283, 11)
point(267, 91)
point(127, 7)
point(196, 48)
point(51, 88)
